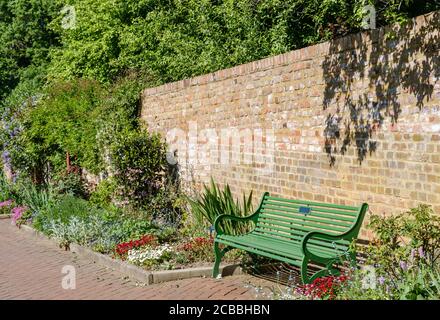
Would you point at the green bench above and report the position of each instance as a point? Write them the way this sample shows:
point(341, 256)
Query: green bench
point(297, 232)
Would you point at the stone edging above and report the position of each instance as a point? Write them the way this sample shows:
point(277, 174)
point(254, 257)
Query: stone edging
point(137, 273)
point(5, 216)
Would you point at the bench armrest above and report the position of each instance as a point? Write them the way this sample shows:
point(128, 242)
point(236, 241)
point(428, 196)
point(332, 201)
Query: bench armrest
point(231, 217)
point(349, 235)
point(253, 217)
point(324, 236)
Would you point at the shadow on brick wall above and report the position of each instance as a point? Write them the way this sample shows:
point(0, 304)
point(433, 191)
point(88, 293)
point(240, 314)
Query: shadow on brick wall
point(391, 62)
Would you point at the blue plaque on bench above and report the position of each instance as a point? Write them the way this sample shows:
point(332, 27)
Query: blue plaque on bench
point(304, 210)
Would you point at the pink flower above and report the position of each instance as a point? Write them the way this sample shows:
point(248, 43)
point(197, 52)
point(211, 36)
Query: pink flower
point(6, 203)
point(17, 212)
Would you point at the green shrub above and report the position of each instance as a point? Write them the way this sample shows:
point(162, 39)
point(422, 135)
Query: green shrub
point(6, 207)
point(24, 192)
point(58, 127)
point(214, 202)
point(412, 280)
point(400, 235)
point(103, 195)
point(66, 208)
point(402, 260)
point(70, 183)
point(167, 207)
point(139, 162)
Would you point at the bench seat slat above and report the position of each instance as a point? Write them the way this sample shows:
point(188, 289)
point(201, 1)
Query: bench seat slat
point(295, 262)
point(290, 250)
point(292, 253)
point(288, 236)
point(315, 245)
point(326, 246)
point(340, 245)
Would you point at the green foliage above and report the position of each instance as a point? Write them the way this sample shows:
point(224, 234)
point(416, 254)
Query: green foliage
point(67, 207)
point(404, 258)
point(5, 188)
point(139, 162)
point(419, 283)
point(414, 279)
point(26, 38)
point(423, 228)
point(69, 183)
point(398, 236)
point(355, 288)
point(118, 112)
point(36, 198)
point(54, 128)
point(175, 39)
point(72, 219)
point(214, 202)
point(62, 123)
point(103, 195)
point(168, 206)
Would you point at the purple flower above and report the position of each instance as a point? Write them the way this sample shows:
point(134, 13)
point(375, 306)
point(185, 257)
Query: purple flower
point(381, 280)
point(403, 265)
point(6, 156)
point(413, 252)
point(421, 252)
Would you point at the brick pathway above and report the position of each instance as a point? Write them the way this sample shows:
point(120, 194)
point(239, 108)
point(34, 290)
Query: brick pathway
point(31, 268)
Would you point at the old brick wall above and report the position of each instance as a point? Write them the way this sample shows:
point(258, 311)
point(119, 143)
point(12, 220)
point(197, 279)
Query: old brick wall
point(352, 120)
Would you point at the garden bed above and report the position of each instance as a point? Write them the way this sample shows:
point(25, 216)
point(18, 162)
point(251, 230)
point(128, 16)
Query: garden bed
point(141, 275)
point(128, 236)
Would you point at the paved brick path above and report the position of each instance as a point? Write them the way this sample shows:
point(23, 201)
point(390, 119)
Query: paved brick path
point(31, 268)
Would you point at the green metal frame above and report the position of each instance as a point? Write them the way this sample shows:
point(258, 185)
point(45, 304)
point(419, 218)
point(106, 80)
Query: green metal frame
point(308, 256)
point(220, 253)
point(349, 235)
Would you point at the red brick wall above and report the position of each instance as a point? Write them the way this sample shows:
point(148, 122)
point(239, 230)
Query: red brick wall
point(353, 120)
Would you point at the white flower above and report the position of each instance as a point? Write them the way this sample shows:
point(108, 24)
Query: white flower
point(148, 253)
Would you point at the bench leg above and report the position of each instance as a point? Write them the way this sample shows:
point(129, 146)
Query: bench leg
point(218, 258)
point(328, 271)
point(304, 277)
point(353, 260)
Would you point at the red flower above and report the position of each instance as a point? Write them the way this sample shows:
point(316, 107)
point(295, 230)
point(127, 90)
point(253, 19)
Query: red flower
point(324, 287)
point(123, 248)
